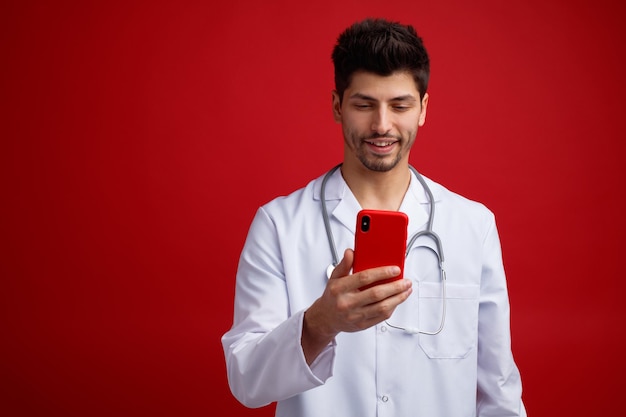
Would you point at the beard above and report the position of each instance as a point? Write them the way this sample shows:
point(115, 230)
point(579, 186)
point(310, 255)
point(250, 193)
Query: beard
point(379, 164)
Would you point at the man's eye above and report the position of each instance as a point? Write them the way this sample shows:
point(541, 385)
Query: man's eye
point(363, 106)
point(401, 108)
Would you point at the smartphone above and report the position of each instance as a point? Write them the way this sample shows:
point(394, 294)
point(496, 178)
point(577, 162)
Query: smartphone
point(380, 240)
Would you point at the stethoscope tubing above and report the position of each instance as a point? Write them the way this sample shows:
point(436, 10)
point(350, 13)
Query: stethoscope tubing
point(429, 226)
point(428, 232)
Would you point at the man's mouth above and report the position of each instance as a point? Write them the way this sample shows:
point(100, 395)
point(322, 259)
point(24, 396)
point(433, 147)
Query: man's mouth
point(380, 144)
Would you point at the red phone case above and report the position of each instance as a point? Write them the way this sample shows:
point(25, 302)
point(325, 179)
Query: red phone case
point(382, 244)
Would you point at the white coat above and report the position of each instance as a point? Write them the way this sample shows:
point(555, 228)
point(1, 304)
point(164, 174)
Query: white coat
point(466, 370)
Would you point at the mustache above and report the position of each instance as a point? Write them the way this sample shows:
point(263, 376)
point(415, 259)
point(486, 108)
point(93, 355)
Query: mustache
point(383, 136)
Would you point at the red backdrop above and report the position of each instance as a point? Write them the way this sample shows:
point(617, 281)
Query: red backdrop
point(138, 139)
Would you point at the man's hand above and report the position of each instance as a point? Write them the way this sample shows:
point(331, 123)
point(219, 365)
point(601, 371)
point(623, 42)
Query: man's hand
point(343, 307)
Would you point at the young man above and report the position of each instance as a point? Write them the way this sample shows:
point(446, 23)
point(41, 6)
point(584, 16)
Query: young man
point(434, 344)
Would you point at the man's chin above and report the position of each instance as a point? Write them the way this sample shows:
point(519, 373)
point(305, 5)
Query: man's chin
point(380, 165)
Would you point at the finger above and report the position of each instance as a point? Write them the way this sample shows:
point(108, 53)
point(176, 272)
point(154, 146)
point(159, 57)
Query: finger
point(389, 291)
point(344, 267)
point(370, 277)
point(383, 308)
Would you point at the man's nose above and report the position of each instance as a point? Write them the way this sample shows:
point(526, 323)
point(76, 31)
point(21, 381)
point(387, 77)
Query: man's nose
point(382, 121)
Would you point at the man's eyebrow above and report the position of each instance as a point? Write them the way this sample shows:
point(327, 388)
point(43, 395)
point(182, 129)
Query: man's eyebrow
point(406, 97)
point(361, 96)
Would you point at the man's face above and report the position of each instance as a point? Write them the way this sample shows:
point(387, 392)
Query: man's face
point(380, 116)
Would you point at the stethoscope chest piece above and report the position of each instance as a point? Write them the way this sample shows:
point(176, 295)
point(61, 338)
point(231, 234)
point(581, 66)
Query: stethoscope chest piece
point(329, 270)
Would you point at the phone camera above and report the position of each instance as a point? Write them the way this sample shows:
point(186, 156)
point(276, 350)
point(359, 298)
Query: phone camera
point(365, 223)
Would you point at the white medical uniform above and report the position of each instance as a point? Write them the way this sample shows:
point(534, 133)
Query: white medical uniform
point(466, 370)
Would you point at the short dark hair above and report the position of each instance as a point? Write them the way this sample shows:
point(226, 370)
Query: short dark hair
point(382, 47)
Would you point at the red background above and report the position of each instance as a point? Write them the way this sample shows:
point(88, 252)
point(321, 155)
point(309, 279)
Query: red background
point(138, 138)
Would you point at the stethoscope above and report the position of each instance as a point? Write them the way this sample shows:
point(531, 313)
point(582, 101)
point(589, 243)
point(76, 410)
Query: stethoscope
point(428, 232)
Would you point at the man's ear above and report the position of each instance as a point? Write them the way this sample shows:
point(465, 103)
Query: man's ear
point(336, 106)
point(422, 118)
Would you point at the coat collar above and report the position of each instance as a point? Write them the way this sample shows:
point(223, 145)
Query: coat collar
point(343, 205)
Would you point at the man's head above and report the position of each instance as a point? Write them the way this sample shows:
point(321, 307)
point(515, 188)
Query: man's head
point(381, 75)
point(380, 47)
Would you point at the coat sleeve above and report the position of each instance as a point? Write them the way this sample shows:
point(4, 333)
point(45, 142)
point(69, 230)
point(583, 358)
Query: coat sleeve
point(499, 388)
point(264, 357)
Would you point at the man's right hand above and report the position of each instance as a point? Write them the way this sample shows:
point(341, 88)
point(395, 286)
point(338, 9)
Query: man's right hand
point(343, 307)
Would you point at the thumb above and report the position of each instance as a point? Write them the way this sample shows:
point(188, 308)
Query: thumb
point(343, 268)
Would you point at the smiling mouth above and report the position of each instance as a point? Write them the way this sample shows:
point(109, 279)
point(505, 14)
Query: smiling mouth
point(381, 144)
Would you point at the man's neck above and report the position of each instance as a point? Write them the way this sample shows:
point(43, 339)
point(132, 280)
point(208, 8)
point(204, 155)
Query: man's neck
point(378, 190)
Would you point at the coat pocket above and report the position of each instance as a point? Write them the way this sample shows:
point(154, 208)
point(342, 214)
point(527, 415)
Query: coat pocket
point(459, 335)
